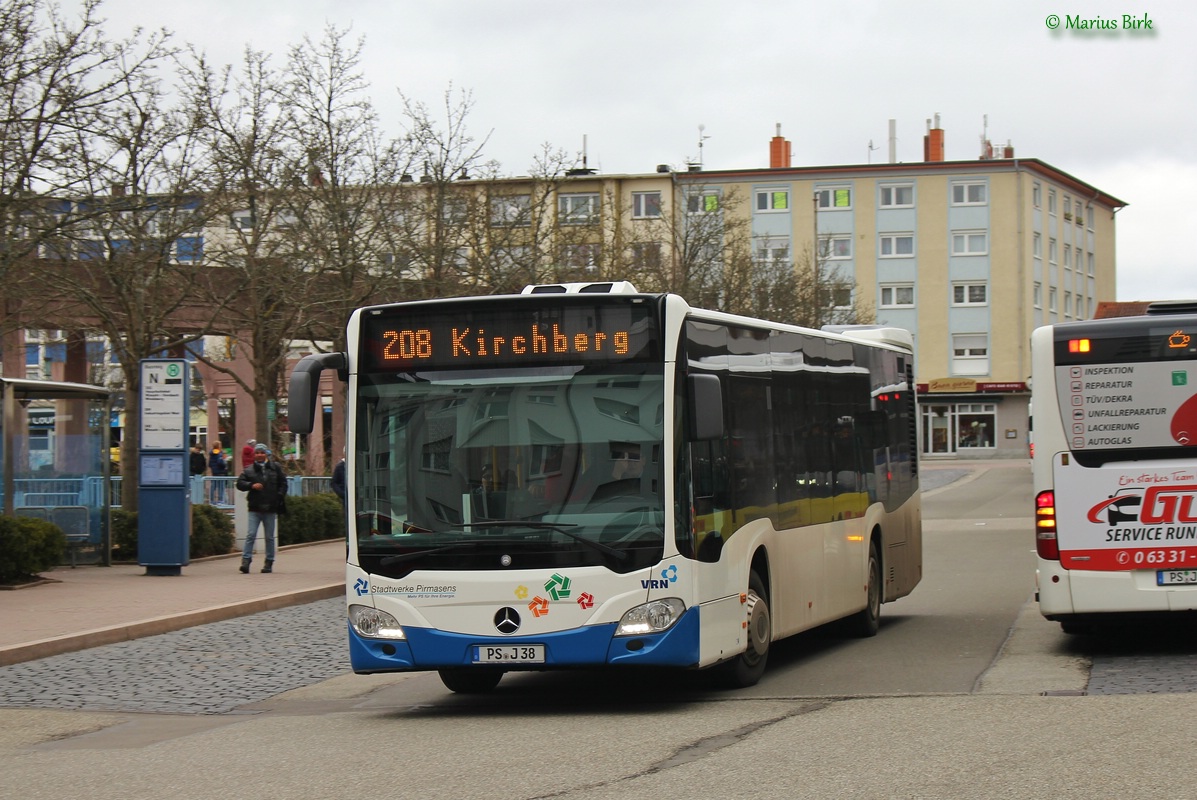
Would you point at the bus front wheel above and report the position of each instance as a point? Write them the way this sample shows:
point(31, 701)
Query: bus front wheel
point(747, 668)
point(471, 681)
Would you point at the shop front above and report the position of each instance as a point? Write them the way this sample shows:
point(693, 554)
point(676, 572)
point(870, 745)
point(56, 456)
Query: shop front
point(964, 418)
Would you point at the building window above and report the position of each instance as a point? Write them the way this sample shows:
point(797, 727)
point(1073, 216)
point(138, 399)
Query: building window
point(1090, 265)
point(513, 210)
point(970, 243)
point(577, 209)
point(1051, 251)
point(454, 210)
point(897, 196)
point(1051, 299)
point(1037, 245)
point(970, 354)
point(1067, 304)
point(646, 255)
point(1067, 208)
point(840, 296)
point(1037, 295)
point(702, 203)
point(898, 295)
point(970, 294)
point(1080, 213)
point(1068, 256)
point(1089, 217)
point(189, 249)
point(836, 247)
point(976, 424)
point(969, 194)
point(242, 220)
point(834, 198)
point(897, 245)
point(772, 251)
point(1051, 201)
point(580, 256)
point(509, 259)
point(1036, 195)
point(646, 205)
point(772, 200)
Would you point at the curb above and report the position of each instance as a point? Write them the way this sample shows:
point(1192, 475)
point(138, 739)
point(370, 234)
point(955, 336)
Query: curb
point(151, 627)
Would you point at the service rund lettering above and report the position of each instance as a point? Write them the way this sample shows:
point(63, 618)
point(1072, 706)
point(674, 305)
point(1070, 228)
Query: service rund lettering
point(1169, 533)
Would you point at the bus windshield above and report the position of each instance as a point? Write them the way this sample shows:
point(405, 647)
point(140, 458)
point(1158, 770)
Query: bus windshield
point(537, 467)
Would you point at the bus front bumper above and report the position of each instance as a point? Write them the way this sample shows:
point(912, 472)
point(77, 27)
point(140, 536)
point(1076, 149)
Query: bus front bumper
point(590, 646)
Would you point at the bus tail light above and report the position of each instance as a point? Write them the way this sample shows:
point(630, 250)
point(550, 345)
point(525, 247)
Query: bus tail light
point(1046, 544)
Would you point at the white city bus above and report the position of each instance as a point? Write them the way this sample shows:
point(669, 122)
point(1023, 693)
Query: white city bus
point(583, 475)
point(1115, 466)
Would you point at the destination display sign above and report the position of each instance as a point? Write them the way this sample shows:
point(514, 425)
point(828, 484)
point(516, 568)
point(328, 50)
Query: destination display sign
point(470, 335)
point(1128, 392)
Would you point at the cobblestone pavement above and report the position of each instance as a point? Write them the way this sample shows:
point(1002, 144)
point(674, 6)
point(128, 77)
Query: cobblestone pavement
point(1153, 658)
point(208, 669)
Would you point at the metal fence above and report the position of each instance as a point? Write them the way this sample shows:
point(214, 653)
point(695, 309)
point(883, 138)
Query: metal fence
point(219, 491)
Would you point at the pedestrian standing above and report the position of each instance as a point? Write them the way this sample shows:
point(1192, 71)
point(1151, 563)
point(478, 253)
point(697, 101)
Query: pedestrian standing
point(337, 483)
point(217, 464)
point(247, 453)
point(198, 464)
point(265, 485)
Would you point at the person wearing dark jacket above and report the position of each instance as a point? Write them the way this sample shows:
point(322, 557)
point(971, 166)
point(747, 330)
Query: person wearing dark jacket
point(338, 481)
point(199, 464)
point(265, 485)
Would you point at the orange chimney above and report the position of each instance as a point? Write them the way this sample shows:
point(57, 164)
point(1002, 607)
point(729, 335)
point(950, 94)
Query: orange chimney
point(779, 151)
point(933, 142)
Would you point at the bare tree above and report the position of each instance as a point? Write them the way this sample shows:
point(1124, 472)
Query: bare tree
point(60, 80)
point(129, 262)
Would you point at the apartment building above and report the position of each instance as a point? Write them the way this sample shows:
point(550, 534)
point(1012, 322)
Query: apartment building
point(969, 256)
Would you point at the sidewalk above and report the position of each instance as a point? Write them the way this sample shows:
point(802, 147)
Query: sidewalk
point(90, 606)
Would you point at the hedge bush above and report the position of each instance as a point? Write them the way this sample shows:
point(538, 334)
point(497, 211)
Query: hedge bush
point(29, 546)
point(313, 518)
point(124, 534)
point(212, 533)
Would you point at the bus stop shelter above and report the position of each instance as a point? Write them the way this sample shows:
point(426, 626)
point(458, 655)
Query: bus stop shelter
point(55, 459)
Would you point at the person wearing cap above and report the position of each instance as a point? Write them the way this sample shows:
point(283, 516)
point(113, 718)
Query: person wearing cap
point(265, 485)
point(247, 453)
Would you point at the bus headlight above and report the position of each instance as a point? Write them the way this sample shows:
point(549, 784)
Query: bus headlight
point(374, 624)
point(654, 617)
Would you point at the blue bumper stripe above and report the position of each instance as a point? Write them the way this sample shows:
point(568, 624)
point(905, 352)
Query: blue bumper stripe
point(593, 645)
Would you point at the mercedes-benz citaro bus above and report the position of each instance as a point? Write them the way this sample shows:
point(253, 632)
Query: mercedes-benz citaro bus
point(583, 475)
point(1115, 467)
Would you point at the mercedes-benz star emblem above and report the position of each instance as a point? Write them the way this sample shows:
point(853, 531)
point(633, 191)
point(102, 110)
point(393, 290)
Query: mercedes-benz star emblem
point(507, 620)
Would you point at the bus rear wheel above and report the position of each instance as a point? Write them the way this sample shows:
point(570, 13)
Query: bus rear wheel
point(471, 681)
point(867, 621)
point(747, 668)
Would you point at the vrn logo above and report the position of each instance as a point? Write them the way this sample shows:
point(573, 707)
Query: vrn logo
point(668, 576)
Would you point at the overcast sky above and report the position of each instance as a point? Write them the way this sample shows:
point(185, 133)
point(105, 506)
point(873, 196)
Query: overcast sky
point(1114, 108)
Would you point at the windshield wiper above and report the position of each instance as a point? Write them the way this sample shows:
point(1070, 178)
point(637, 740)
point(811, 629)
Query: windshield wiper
point(562, 528)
